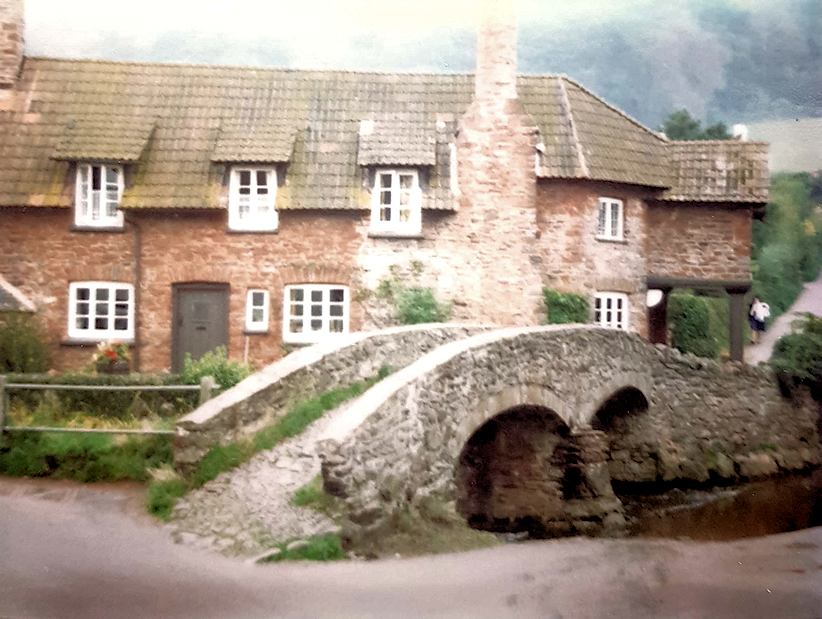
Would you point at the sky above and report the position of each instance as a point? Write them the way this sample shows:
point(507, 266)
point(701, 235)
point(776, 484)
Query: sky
point(646, 56)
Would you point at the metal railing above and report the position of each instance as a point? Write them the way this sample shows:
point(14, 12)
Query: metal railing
point(206, 389)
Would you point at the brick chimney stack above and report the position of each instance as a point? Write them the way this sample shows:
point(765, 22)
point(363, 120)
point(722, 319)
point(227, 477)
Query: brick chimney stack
point(496, 51)
point(11, 41)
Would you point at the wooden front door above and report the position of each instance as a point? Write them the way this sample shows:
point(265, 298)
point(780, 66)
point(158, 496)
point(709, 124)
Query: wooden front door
point(200, 321)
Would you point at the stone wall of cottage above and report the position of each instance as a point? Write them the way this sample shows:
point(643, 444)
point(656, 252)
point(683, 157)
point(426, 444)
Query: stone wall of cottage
point(575, 260)
point(11, 41)
point(699, 241)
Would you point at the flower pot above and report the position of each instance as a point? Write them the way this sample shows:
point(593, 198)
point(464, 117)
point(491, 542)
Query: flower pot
point(110, 366)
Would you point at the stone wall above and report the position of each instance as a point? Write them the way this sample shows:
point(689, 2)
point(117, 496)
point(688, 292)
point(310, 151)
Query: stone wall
point(11, 41)
point(694, 416)
point(699, 241)
point(307, 373)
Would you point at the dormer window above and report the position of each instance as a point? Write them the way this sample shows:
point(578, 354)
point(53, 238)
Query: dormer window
point(251, 199)
point(97, 196)
point(396, 202)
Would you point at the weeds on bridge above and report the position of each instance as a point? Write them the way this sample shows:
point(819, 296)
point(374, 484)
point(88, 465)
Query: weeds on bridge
point(162, 494)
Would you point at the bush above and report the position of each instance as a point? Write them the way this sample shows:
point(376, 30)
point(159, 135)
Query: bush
point(21, 344)
point(564, 308)
point(777, 277)
point(689, 318)
point(226, 372)
point(419, 306)
point(798, 356)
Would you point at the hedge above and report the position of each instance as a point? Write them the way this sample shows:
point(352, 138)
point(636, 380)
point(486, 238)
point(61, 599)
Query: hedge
point(566, 307)
point(690, 321)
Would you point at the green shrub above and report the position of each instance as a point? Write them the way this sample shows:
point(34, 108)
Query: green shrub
point(689, 318)
point(777, 277)
point(22, 348)
point(798, 355)
point(83, 457)
point(565, 308)
point(226, 372)
point(162, 495)
point(419, 306)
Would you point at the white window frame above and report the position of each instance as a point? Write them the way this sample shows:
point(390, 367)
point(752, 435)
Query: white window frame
point(393, 207)
point(606, 230)
point(88, 309)
point(84, 196)
point(611, 310)
point(301, 311)
point(261, 216)
point(261, 325)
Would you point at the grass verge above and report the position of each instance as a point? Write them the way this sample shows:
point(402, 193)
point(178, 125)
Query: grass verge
point(162, 494)
point(319, 548)
point(312, 496)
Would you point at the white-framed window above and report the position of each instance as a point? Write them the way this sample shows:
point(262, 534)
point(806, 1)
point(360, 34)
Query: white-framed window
point(101, 310)
point(611, 217)
point(396, 202)
point(256, 310)
point(252, 191)
point(611, 310)
point(313, 312)
point(98, 190)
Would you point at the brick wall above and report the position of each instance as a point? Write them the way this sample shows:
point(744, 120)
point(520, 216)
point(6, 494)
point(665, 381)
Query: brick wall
point(11, 41)
point(575, 260)
point(699, 241)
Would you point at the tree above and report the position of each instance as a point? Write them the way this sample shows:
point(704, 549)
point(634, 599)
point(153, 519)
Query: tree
point(680, 125)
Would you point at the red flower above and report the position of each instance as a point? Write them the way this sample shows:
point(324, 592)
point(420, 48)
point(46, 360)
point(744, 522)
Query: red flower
point(111, 354)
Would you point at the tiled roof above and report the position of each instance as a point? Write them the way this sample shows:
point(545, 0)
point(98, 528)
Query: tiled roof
point(204, 116)
point(12, 300)
point(399, 139)
point(104, 138)
point(719, 171)
point(258, 141)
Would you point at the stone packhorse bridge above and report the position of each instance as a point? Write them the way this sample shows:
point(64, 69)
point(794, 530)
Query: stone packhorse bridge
point(520, 427)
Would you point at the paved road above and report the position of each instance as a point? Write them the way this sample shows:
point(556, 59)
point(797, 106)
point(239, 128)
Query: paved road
point(809, 301)
point(79, 554)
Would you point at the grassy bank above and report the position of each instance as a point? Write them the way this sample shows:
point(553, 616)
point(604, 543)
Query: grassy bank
point(162, 494)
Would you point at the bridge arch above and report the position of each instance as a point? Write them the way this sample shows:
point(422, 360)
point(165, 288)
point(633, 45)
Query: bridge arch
point(622, 381)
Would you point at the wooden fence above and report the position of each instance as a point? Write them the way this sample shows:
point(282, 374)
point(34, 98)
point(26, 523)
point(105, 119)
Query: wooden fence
point(206, 389)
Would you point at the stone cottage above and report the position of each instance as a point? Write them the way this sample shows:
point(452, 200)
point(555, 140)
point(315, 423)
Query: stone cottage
point(181, 207)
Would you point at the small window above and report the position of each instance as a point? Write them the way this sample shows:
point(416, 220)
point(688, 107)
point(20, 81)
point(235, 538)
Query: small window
point(98, 191)
point(101, 310)
point(609, 225)
point(256, 313)
point(611, 310)
point(251, 199)
point(396, 202)
point(314, 312)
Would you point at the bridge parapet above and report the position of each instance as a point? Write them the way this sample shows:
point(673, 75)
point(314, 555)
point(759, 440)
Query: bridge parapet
point(304, 374)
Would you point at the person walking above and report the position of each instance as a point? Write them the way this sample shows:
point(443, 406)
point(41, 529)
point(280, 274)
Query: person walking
point(758, 312)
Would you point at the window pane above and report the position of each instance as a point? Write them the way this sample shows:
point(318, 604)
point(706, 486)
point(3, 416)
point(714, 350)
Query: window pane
point(405, 215)
point(95, 206)
point(121, 294)
point(316, 310)
point(101, 294)
point(608, 302)
point(614, 219)
point(385, 180)
point(598, 302)
point(121, 309)
point(245, 177)
point(101, 323)
point(335, 326)
point(82, 309)
point(597, 316)
point(101, 309)
point(257, 299)
point(296, 326)
point(262, 191)
point(245, 191)
point(95, 177)
point(111, 175)
point(112, 198)
point(385, 197)
point(83, 294)
point(256, 315)
point(385, 214)
point(337, 295)
point(296, 294)
point(121, 324)
point(602, 218)
point(406, 181)
point(316, 325)
point(336, 310)
point(316, 295)
point(82, 323)
point(297, 310)
point(405, 198)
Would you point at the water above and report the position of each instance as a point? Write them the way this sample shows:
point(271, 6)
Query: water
point(761, 508)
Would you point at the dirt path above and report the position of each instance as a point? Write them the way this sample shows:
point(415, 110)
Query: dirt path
point(83, 554)
point(810, 300)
